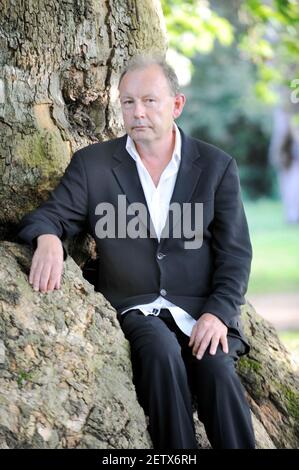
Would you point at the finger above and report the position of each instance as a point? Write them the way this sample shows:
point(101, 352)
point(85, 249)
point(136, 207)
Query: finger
point(44, 278)
point(192, 337)
point(36, 273)
point(214, 344)
point(52, 282)
point(203, 346)
point(31, 274)
point(59, 277)
point(198, 338)
point(223, 341)
point(54, 278)
point(33, 267)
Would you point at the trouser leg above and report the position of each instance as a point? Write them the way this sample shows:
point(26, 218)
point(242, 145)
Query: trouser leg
point(222, 405)
point(161, 381)
point(221, 402)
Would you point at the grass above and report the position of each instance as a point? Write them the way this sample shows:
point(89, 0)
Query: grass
point(275, 265)
point(291, 341)
point(291, 338)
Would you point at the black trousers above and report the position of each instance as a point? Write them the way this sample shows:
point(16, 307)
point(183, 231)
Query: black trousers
point(167, 377)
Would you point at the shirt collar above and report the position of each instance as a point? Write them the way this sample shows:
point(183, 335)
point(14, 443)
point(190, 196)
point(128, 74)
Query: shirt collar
point(176, 156)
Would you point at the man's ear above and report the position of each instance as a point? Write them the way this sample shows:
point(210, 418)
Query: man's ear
point(179, 103)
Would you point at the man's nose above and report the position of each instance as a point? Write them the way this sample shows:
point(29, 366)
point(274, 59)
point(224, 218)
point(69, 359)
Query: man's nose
point(139, 110)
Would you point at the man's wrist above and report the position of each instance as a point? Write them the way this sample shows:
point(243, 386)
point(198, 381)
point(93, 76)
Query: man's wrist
point(46, 236)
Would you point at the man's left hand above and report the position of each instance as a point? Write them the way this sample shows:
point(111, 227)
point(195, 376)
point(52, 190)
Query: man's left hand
point(208, 329)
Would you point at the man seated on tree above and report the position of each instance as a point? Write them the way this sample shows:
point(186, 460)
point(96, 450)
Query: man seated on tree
point(177, 301)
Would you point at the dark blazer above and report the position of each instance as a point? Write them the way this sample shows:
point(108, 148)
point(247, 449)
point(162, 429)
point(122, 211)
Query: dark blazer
point(212, 278)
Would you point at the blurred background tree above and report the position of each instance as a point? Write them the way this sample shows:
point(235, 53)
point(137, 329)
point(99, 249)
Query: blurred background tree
point(238, 64)
point(243, 56)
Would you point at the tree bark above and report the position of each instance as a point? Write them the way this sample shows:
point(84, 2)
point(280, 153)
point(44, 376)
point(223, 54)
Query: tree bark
point(58, 92)
point(271, 381)
point(66, 377)
point(59, 67)
point(65, 371)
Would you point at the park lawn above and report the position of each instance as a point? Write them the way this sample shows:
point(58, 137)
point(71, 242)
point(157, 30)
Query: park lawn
point(291, 341)
point(275, 264)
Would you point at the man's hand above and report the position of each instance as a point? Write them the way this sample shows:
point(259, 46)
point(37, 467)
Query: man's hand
point(208, 329)
point(47, 264)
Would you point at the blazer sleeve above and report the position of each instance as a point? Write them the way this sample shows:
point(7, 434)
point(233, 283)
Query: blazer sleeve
point(231, 248)
point(65, 212)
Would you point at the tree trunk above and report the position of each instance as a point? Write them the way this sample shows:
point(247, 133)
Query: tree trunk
point(58, 91)
point(284, 155)
point(65, 372)
point(60, 62)
point(271, 380)
point(66, 377)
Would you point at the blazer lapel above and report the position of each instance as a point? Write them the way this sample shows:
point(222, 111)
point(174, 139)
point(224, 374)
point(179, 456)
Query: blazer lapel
point(187, 179)
point(127, 176)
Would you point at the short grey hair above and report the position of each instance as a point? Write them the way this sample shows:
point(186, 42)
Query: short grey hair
point(141, 61)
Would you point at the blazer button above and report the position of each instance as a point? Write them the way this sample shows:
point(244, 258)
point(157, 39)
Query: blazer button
point(163, 292)
point(160, 255)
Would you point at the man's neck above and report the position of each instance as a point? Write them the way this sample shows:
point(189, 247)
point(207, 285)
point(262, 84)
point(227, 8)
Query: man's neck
point(157, 152)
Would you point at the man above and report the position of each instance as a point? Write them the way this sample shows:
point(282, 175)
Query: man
point(177, 303)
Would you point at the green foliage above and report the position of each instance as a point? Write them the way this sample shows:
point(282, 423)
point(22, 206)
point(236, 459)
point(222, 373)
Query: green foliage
point(194, 27)
point(222, 108)
point(271, 41)
point(269, 36)
point(243, 53)
point(257, 180)
point(283, 11)
point(244, 57)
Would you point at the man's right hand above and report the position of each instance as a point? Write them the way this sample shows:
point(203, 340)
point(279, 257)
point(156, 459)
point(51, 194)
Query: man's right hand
point(47, 264)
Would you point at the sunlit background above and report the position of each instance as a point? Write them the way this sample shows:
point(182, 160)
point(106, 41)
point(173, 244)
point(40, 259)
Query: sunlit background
point(238, 65)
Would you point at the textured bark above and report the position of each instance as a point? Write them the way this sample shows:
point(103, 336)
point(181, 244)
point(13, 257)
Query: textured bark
point(59, 66)
point(271, 381)
point(66, 378)
point(65, 371)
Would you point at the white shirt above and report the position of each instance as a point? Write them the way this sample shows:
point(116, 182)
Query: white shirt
point(158, 200)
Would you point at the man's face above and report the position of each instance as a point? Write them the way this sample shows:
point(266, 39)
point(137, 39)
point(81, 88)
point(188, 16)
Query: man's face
point(148, 105)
